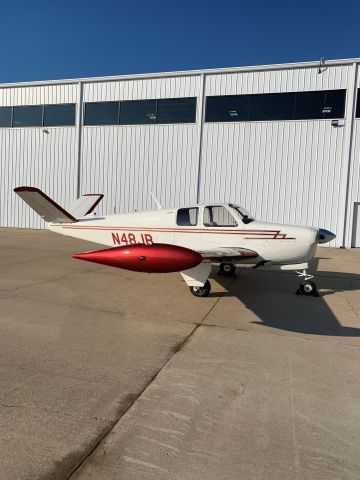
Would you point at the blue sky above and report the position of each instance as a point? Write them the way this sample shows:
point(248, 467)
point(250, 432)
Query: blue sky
point(66, 39)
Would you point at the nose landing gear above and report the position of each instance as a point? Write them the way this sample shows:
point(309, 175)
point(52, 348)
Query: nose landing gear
point(306, 287)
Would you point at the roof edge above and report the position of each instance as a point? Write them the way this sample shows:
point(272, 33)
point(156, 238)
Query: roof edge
point(184, 73)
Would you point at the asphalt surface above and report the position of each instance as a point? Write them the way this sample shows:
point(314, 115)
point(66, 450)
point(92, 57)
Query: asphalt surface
point(109, 374)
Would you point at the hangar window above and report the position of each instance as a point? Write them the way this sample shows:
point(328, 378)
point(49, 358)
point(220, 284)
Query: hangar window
point(227, 108)
point(59, 115)
point(276, 106)
point(187, 217)
point(29, 116)
point(5, 116)
point(176, 110)
point(137, 112)
point(358, 104)
point(320, 104)
point(218, 216)
point(101, 113)
point(272, 106)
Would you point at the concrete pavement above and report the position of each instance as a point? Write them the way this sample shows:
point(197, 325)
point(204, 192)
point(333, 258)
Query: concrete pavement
point(112, 374)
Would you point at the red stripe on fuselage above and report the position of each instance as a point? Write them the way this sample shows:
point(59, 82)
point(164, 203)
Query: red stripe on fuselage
point(267, 234)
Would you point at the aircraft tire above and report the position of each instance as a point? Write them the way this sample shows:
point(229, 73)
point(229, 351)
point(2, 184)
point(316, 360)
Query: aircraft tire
point(308, 288)
point(227, 269)
point(201, 291)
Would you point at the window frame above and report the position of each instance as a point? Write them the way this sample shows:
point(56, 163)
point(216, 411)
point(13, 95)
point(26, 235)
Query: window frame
point(43, 107)
point(294, 114)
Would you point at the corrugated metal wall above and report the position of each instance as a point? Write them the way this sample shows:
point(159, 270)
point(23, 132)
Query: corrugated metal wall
point(354, 183)
point(286, 171)
point(129, 162)
point(28, 156)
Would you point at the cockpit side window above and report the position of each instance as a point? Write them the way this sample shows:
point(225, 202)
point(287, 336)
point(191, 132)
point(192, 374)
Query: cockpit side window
point(187, 217)
point(218, 216)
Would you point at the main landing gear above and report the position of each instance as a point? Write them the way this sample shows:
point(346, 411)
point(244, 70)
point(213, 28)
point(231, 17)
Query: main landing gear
point(227, 269)
point(306, 287)
point(201, 291)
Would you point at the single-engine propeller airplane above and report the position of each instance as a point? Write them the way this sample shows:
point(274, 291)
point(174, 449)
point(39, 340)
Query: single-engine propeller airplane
point(185, 239)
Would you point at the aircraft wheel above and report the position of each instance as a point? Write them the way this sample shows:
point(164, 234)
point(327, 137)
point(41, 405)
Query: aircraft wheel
point(201, 291)
point(227, 269)
point(308, 288)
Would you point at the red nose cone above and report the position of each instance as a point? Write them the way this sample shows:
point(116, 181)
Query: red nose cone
point(156, 258)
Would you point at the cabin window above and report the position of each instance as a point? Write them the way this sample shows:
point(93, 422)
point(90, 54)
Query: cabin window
point(187, 217)
point(217, 216)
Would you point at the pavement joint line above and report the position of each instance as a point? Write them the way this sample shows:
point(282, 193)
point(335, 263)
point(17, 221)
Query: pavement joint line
point(178, 347)
point(221, 296)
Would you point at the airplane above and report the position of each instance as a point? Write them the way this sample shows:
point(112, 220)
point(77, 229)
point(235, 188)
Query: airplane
point(185, 239)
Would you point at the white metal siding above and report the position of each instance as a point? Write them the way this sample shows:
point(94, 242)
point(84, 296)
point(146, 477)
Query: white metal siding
point(127, 163)
point(172, 87)
point(273, 81)
point(31, 157)
point(354, 180)
point(38, 95)
point(280, 171)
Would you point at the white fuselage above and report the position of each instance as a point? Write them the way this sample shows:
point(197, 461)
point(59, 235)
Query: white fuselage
point(275, 243)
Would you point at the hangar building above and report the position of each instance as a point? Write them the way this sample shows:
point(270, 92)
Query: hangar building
point(281, 140)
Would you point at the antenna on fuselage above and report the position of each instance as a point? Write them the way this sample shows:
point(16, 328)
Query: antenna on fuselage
point(158, 204)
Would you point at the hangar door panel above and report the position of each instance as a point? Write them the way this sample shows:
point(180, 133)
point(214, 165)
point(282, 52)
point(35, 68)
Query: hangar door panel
point(31, 157)
point(127, 163)
point(286, 172)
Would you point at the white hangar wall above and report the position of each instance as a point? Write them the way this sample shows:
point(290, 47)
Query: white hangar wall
point(128, 162)
point(30, 157)
point(301, 171)
point(285, 171)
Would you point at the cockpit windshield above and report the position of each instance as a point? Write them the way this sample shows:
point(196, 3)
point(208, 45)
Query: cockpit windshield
point(245, 215)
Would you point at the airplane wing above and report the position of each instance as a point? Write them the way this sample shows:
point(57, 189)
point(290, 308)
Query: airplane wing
point(228, 254)
point(197, 276)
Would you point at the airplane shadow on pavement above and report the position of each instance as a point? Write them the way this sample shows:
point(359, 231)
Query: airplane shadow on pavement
point(271, 297)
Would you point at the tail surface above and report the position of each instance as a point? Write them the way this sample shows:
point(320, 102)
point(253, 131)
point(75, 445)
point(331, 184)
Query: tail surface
point(50, 211)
